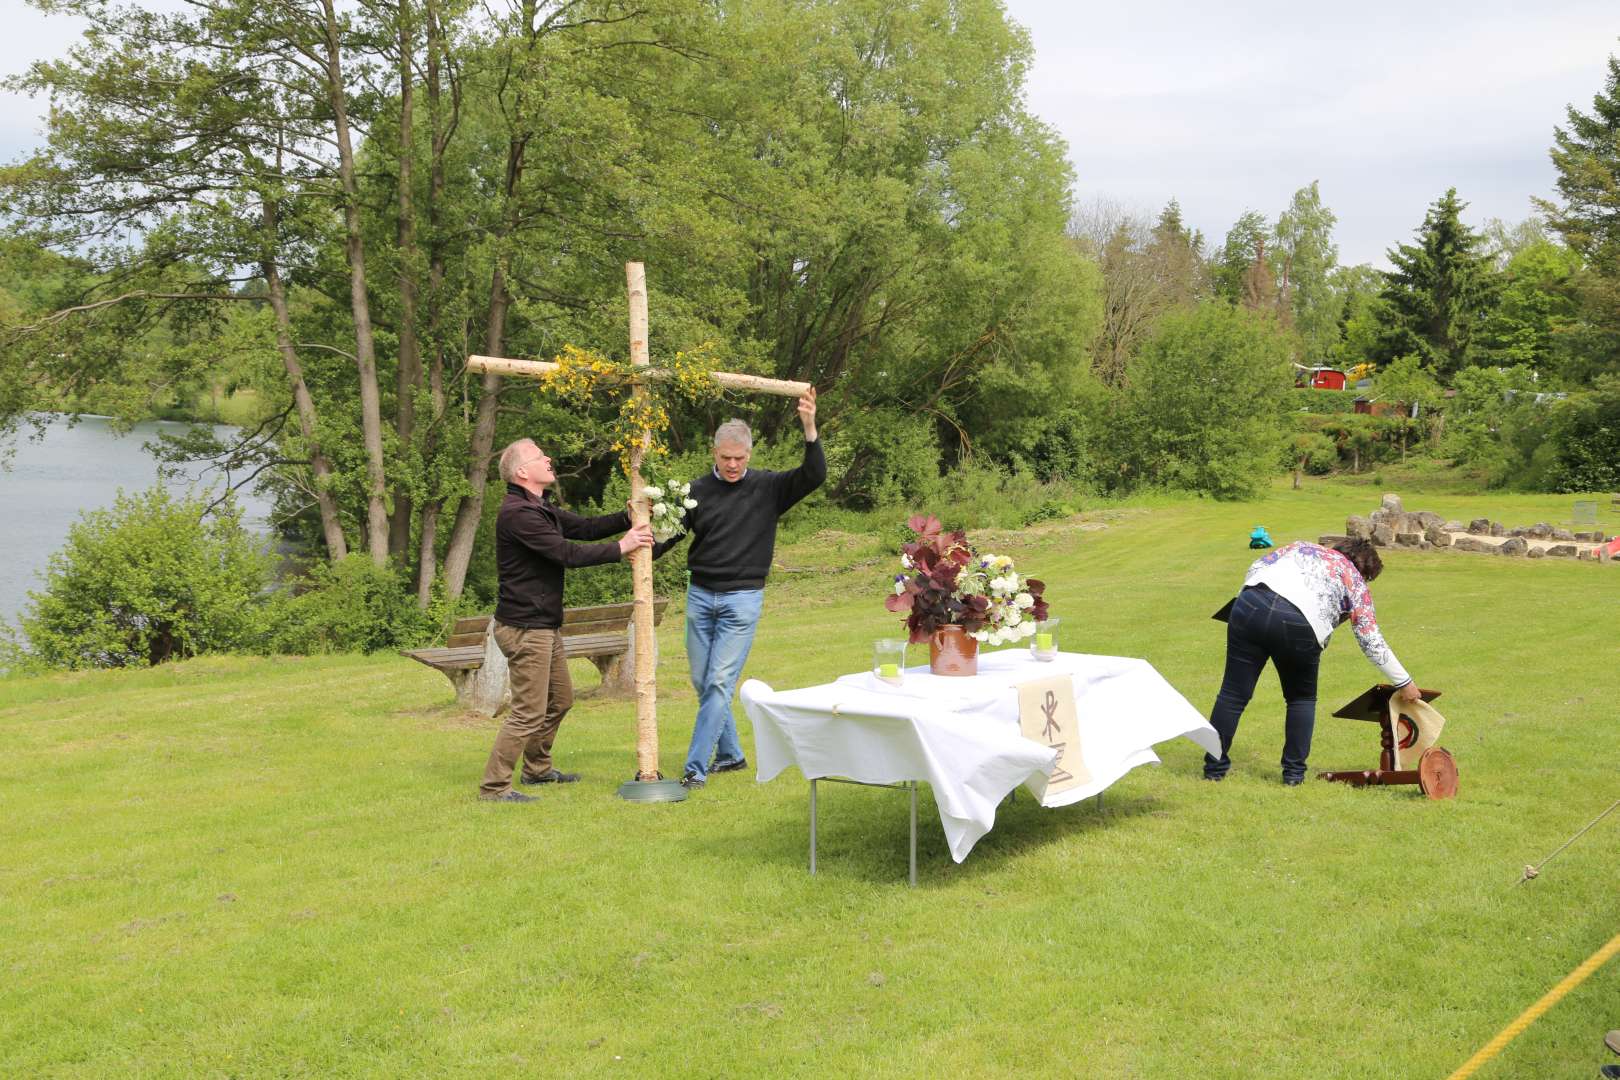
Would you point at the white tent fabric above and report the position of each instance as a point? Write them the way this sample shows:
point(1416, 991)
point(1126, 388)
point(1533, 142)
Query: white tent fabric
point(962, 736)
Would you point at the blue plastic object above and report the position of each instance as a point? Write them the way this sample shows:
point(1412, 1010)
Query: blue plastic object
point(1260, 538)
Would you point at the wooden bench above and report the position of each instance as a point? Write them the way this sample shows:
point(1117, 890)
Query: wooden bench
point(476, 667)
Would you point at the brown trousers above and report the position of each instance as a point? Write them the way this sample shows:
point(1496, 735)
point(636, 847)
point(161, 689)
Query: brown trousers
point(541, 694)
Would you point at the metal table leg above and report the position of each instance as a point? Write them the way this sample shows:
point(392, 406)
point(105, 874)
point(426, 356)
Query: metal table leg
point(905, 785)
point(812, 828)
point(914, 834)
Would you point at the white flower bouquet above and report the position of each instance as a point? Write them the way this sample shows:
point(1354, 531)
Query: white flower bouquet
point(670, 502)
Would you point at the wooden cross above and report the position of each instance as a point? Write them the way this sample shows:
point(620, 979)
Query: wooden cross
point(640, 506)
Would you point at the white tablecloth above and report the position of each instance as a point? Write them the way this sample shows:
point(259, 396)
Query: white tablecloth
point(962, 736)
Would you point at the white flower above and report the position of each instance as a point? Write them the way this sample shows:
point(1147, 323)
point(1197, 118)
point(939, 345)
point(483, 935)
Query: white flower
point(899, 588)
point(653, 492)
point(980, 635)
point(692, 503)
point(685, 488)
point(905, 561)
point(1014, 617)
point(1024, 600)
point(659, 509)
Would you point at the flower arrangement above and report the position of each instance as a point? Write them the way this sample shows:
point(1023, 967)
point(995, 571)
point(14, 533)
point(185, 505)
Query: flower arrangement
point(945, 582)
point(670, 502)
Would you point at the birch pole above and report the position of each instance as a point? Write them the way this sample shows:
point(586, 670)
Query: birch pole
point(641, 559)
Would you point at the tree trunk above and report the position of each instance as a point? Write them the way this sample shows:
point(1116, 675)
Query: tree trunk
point(471, 511)
point(468, 514)
point(359, 303)
point(331, 528)
point(409, 374)
point(1299, 468)
point(428, 528)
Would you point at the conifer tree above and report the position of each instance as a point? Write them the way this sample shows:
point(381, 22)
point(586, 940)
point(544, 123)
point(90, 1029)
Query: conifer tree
point(1439, 293)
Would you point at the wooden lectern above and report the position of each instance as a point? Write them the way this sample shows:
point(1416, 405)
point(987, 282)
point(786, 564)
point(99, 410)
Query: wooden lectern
point(1436, 774)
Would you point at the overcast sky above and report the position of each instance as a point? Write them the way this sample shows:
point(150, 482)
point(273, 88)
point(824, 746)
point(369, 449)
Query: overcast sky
point(1233, 106)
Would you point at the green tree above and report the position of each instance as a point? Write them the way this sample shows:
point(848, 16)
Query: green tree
point(1205, 404)
point(1586, 155)
point(1536, 308)
point(1438, 294)
point(154, 578)
point(1306, 257)
point(1245, 244)
point(1360, 318)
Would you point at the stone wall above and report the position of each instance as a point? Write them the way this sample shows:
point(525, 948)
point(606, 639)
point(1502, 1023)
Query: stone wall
point(1392, 525)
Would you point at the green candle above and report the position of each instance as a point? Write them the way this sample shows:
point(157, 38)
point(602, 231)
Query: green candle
point(1043, 641)
point(889, 671)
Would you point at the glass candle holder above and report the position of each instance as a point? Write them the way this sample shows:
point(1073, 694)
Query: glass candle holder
point(1044, 645)
point(889, 660)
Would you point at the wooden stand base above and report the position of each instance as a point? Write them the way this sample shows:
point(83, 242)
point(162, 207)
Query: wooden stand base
point(1436, 774)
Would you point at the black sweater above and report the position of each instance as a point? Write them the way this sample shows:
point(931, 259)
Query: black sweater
point(532, 549)
point(733, 526)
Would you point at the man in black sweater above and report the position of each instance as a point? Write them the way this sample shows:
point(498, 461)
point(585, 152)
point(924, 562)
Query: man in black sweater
point(733, 530)
point(532, 549)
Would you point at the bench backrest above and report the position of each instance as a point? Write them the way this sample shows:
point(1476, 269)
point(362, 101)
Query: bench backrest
point(596, 619)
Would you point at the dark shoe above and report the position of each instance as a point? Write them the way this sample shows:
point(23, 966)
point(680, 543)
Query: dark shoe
point(1293, 781)
point(552, 776)
point(691, 781)
point(1612, 1071)
point(728, 766)
point(1214, 779)
point(509, 796)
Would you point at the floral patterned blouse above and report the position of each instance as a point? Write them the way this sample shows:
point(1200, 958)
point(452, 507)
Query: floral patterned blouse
point(1327, 589)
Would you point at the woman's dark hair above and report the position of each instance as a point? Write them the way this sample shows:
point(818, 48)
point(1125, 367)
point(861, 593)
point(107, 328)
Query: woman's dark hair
point(1363, 556)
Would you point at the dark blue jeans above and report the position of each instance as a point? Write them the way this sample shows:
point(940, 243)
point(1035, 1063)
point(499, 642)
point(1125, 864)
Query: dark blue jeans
point(1264, 627)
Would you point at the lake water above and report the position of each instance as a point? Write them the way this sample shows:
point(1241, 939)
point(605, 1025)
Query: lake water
point(72, 470)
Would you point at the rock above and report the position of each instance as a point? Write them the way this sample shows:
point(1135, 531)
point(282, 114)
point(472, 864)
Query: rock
point(1455, 526)
point(1358, 527)
point(1585, 536)
point(1563, 551)
point(1497, 529)
point(1540, 530)
point(1428, 519)
point(1383, 535)
point(1535, 553)
point(1331, 539)
point(1514, 545)
point(1392, 502)
point(1480, 527)
point(1562, 534)
point(1409, 539)
point(1589, 554)
point(1437, 536)
point(1424, 545)
point(1468, 543)
point(1518, 530)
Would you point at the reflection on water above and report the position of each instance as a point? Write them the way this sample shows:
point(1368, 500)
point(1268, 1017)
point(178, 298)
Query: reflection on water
point(74, 469)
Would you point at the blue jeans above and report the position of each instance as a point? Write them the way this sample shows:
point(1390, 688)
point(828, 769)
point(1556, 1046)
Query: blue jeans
point(719, 633)
point(1264, 626)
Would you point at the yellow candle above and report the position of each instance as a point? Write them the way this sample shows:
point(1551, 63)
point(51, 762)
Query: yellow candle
point(1043, 641)
point(889, 671)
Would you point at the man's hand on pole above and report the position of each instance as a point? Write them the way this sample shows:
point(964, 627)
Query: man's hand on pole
point(639, 536)
point(807, 414)
point(1409, 693)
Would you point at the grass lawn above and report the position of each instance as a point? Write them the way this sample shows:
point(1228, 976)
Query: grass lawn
point(250, 867)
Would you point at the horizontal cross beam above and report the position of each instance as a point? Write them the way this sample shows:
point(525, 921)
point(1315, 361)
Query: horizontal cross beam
point(535, 369)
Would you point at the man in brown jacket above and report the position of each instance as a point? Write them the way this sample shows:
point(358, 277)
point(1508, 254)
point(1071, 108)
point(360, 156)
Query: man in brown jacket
point(532, 549)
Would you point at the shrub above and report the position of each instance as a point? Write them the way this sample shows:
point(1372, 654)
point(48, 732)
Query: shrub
point(1584, 443)
point(1204, 408)
point(154, 578)
point(352, 605)
point(882, 457)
